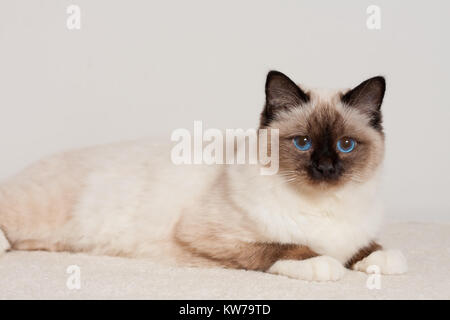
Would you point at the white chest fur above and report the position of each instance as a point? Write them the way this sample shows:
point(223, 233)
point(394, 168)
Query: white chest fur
point(336, 223)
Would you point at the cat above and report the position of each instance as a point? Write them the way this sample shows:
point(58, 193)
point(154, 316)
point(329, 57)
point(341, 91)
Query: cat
point(315, 219)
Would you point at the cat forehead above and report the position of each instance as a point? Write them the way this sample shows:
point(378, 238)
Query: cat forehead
point(323, 112)
point(323, 95)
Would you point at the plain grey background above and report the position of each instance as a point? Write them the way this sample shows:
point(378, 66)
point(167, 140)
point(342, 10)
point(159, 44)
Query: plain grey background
point(144, 68)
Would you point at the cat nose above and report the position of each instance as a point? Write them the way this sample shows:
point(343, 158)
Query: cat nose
point(326, 168)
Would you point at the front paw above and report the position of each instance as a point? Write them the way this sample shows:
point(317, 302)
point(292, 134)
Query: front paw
point(320, 268)
point(389, 262)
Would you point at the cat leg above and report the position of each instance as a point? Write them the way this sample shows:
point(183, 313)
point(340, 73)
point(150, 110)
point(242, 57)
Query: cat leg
point(321, 268)
point(294, 261)
point(291, 260)
point(4, 243)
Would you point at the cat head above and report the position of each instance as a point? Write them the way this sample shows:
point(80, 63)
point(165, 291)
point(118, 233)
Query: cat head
point(328, 139)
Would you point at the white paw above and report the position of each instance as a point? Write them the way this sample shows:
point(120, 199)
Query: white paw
point(320, 268)
point(4, 244)
point(389, 262)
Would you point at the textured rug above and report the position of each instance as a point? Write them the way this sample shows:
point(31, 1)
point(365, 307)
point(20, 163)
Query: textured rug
point(43, 275)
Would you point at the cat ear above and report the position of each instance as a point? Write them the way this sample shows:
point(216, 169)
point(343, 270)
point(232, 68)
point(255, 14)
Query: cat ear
point(368, 97)
point(281, 94)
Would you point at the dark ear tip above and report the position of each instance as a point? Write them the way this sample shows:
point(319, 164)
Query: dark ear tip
point(272, 76)
point(380, 80)
point(274, 73)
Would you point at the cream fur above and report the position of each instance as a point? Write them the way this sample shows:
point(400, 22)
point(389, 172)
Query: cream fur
point(125, 199)
point(388, 262)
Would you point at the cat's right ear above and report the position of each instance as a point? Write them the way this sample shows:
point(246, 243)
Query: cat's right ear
point(367, 98)
point(281, 94)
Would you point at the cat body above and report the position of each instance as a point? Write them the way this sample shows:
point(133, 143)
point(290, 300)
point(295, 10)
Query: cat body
point(129, 199)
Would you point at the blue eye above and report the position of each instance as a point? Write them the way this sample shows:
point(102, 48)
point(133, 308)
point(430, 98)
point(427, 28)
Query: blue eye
point(302, 143)
point(346, 145)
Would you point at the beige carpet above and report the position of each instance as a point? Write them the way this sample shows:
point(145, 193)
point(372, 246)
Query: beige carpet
point(42, 275)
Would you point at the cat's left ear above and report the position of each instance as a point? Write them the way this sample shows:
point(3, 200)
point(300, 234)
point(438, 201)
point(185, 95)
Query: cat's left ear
point(368, 97)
